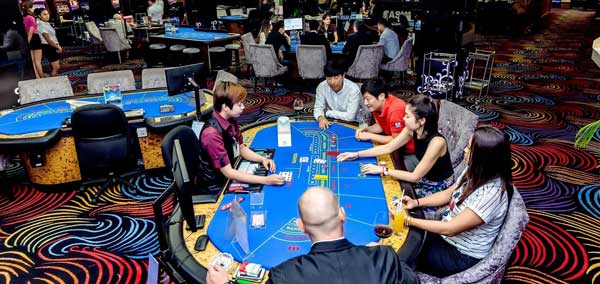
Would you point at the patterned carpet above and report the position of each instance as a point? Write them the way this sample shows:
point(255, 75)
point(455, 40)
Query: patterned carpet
point(545, 88)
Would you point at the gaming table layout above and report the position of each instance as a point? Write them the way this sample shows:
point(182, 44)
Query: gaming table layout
point(206, 37)
point(42, 121)
point(335, 48)
point(361, 197)
point(234, 18)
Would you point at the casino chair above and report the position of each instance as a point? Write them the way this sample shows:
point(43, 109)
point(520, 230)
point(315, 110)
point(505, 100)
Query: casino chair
point(247, 39)
point(113, 41)
point(265, 62)
point(104, 145)
point(44, 88)
point(491, 268)
point(97, 81)
point(401, 62)
point(154, 78)
point(457, 124)
point(311, 61)
point(224, 76)
point(367, 62)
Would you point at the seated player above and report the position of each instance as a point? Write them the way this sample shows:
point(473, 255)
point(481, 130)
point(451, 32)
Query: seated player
point(388, 112)
point(475, 208)
point(313, 38)
point(389, 39)
point(354, 41)
point(332, 258)
point(222, 143)
point(337, 97)
point(434, 172)
point(278, 38)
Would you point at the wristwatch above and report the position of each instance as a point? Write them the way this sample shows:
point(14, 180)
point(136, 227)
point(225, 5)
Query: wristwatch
point(385, 171)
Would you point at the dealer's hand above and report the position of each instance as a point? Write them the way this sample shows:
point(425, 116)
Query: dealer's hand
point(275, 180)
point(269, 165)
point(216, 275)
point(371, 169)
point(324, 122)
point(347, 156)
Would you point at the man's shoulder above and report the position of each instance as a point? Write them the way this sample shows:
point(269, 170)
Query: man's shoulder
point(351, 86)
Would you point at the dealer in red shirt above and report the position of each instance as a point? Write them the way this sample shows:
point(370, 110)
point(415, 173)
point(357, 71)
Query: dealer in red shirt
point(388, 112)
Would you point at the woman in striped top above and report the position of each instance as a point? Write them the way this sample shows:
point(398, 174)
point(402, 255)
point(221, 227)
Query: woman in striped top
point(474, 210)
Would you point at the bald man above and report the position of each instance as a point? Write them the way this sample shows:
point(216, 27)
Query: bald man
point(332, 258)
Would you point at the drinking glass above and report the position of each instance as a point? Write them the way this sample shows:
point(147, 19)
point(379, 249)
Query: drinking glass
point(298, 105)
point(382, 227)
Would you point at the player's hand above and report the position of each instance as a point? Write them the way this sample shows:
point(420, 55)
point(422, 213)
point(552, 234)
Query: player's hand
point(216, 275)
point(409, 203)
point(358, 132)
point(59, 49)
point(371, 169)
point(347, 156)
point(269, 165)
point(275, 180)
point(324, 122)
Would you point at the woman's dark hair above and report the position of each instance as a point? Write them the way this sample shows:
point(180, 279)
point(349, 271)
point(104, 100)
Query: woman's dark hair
point(25, 6)
point(276, 26)
point(489, 159)
point(424, 107)
point(325, 16)
point(374, 87)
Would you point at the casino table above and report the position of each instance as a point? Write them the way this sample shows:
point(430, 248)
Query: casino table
point(234, 23)
point(361, 196)
point(38, 129)
point(335, 48)
point(202, 39)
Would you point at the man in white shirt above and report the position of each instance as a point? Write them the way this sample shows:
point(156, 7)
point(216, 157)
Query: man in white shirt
point(389, 39)
point(155, 10)
point(337, 97)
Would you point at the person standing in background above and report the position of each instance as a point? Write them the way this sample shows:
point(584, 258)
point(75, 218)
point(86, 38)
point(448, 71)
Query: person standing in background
point(155, 10)
point(33, 38)
point(50, 46)
point(328, 29)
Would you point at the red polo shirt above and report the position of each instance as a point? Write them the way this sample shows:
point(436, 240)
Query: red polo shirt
point(391, 119)
point(212, 140)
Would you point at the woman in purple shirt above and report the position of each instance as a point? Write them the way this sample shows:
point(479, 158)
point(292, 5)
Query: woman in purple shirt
point(35, 43)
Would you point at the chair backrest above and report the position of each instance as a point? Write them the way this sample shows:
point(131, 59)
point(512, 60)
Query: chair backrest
point(101, 134)
point(265, 60)
point(44, 88)
point(247, 40)
point(491, 268)
point(189, 146)
point(94, 32)
point(224, 76)
point(221, 13)
point(113, 41)
point(236, 12)
point(97, 81)
point(154, 78)
point(311, 61)
point(457, 124)
point(402, 61)
point(367, 62)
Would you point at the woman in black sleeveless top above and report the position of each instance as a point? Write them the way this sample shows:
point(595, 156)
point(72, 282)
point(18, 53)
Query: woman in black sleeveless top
point(434, 172)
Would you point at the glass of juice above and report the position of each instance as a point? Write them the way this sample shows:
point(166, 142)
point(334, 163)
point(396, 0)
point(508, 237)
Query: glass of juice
point(398, 224)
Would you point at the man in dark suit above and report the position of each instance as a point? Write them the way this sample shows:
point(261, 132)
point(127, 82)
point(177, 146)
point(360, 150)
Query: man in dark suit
point(312, 37)
point(359, 37)
point(332, 258)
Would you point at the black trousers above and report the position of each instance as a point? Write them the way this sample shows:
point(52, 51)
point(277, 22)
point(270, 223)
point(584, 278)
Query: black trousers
point(439, 258)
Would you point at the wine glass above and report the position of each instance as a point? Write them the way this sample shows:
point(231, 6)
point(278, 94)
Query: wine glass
point(382, 226)
point(298, 105)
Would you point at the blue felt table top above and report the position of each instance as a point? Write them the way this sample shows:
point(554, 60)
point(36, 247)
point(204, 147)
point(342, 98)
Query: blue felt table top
point(337, 48)
point(234, 17)
point(361, 196)
point(191, 34)
point(50, 115)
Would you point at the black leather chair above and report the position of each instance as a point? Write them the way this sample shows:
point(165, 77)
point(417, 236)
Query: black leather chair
point(104, 146)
